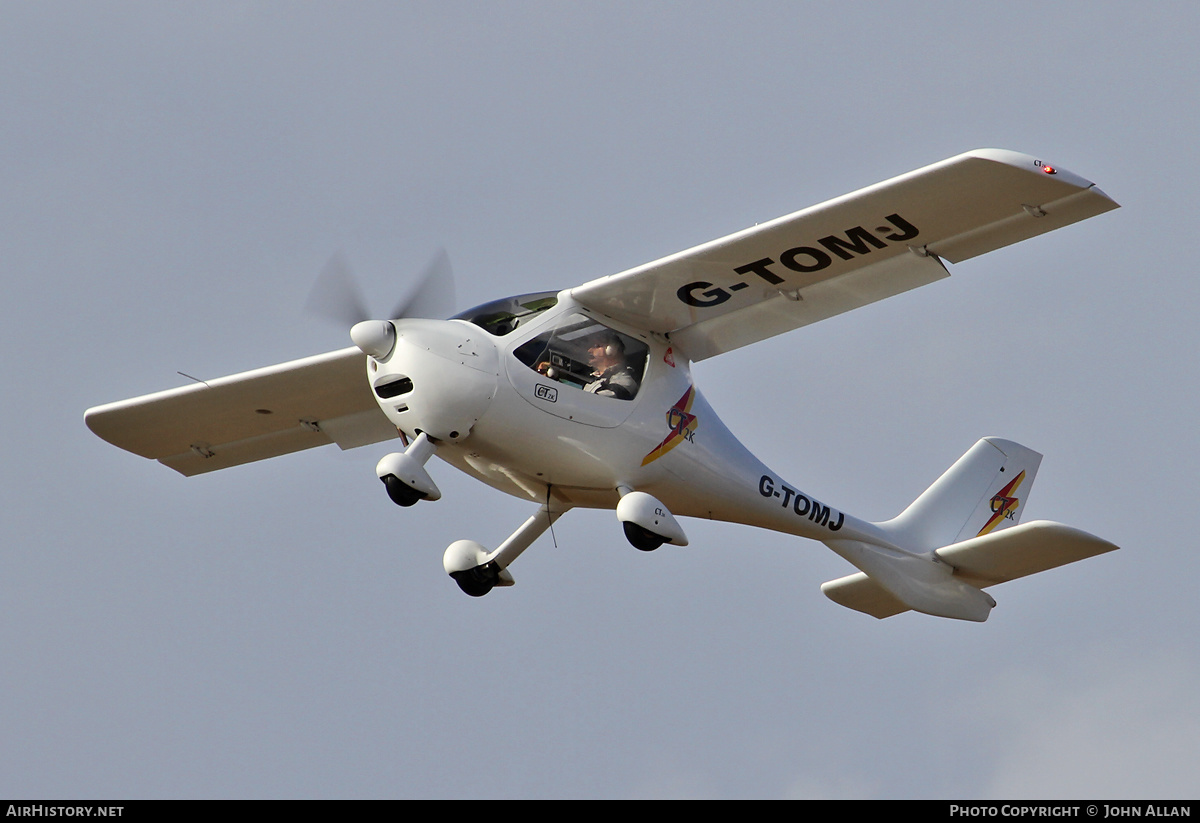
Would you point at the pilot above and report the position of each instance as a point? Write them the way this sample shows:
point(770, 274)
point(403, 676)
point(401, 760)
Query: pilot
point(611, 375)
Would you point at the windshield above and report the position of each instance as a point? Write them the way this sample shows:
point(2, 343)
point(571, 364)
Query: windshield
point(585, 354)
point(500, 317)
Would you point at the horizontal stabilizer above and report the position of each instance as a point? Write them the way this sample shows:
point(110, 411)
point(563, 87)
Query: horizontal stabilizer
point(863, 594)
point(1020, 551)
point(981, 562)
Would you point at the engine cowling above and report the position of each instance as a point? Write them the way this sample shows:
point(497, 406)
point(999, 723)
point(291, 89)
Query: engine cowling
point(438, 377)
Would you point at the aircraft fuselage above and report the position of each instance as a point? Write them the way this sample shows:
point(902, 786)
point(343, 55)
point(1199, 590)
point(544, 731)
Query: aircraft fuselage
point(536, 436)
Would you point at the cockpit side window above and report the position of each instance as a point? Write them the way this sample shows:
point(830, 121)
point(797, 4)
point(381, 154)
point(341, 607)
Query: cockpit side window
point(500, 317)
point(585, 354)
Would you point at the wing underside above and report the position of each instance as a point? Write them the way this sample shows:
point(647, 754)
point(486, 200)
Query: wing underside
point(845, 253)
point(249, 416)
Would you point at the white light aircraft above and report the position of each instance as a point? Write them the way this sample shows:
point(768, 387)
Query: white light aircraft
point(585, 397)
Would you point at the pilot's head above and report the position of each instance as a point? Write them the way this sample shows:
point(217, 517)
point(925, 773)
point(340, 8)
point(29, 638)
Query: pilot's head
point(606, 350)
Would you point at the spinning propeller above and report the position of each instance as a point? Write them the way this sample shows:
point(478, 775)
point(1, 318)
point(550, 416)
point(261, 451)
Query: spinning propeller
point(337, 296)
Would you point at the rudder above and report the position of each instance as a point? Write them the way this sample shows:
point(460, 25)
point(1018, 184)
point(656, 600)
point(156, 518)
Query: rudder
point(983, 492)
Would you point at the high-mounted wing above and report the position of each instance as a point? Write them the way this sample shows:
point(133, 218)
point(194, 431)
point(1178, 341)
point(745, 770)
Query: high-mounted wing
point(249, 416)
point(845, 253)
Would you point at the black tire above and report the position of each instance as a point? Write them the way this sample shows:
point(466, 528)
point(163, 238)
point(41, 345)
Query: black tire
point(401, 494)
point(476, 582)
point(641, 539)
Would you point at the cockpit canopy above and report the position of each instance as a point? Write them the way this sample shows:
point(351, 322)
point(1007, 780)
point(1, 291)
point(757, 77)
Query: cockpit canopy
point(501, 317)
point(583, 353)
point(579, 351)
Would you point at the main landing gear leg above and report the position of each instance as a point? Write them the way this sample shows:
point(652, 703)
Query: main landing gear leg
point(477, 571)
point(404, 473)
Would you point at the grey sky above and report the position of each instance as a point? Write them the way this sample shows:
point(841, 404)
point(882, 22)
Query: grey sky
point(174, 177)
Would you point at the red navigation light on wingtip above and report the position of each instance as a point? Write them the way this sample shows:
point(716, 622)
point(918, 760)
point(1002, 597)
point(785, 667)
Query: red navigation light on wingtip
point(1049, 170)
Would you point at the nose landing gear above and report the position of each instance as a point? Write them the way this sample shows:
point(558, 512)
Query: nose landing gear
point(479, 580)
point(477, 571)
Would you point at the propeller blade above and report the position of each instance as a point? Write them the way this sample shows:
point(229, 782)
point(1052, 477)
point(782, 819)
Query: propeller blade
point(433, 296)
point(336, 295)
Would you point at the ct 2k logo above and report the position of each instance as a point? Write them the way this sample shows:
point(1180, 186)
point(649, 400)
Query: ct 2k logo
point(1004, 505)
point(547, 393)
point(682, 424)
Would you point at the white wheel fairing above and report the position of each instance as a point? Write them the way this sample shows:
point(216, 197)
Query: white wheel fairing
point(462, 555)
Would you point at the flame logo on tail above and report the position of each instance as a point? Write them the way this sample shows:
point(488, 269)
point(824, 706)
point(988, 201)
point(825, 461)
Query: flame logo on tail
point(1004, 505)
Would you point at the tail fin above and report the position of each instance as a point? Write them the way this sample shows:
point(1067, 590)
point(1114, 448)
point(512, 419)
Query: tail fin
point(984, 492)
point(951, 542)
